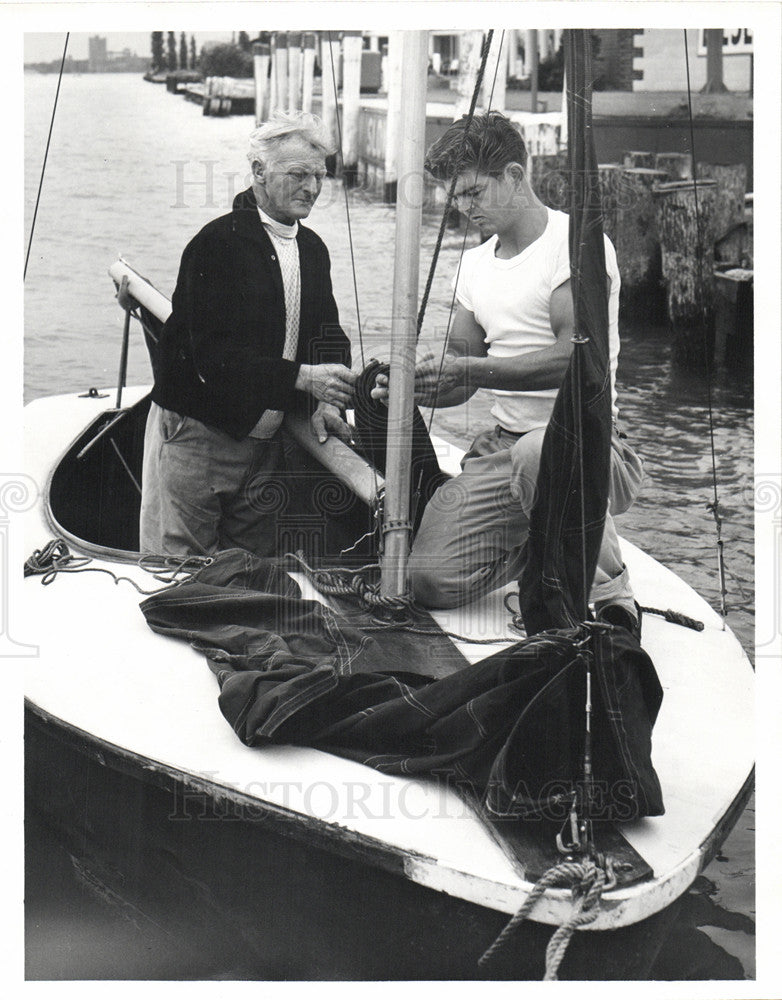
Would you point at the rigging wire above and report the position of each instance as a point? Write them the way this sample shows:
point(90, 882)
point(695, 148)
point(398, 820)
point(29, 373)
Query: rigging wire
point(485, 48)
point(347, 201)
point(449, 197)
point(45, 155)
point(478, 83)
point(376, 482)
point(714, 506)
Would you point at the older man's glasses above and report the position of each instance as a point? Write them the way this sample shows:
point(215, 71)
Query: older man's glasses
point(300, 177)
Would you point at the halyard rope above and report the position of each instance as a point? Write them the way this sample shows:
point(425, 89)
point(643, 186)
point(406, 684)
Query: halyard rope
point(714, 506)
point(588, 882)
point(354, 586)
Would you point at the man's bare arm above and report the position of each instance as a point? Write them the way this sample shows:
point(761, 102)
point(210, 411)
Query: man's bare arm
point(434, 381)
point(440, 382)
point(543, 369)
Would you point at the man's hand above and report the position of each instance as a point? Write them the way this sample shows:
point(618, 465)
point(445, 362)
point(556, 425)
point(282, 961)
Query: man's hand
point(432, 381)
point(328, 383)
point(437, 377)
point(125, 299)
point(326, 420)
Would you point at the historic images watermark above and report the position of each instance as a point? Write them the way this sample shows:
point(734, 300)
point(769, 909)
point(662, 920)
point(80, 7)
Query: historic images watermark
point(205, 184)
point(18, 493)
point(768, 520)
point(441, 797)
point(208, 184)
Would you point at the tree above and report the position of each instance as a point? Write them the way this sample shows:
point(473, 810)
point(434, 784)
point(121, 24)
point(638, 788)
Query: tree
point(226, 60)
point(244, 41)
point(158, 55)
point(551, 70)
point(171, 51)
point(193, 57)
point(182, 51)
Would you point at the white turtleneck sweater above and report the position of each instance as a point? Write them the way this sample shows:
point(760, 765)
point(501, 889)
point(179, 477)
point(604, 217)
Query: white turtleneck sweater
point(284, 240)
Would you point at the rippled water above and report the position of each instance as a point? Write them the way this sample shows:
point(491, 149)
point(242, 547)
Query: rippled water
point(135, 171)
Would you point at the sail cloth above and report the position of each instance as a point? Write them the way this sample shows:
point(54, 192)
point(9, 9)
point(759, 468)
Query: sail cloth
point(292, 671)
point(566, 524)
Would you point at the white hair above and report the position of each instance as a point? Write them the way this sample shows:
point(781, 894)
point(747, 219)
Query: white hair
point(267, 137)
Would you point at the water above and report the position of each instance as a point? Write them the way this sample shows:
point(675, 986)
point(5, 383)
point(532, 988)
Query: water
point(133, 170)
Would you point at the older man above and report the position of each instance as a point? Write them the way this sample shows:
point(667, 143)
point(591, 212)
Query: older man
point(512, 334)
point(254, 332)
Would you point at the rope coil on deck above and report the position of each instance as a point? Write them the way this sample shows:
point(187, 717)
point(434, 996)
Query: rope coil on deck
point(588, 882)
point(55, 558)
point(341, 583)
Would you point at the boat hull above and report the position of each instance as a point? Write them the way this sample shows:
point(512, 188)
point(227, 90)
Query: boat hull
point(268, 889)
point(237, 891)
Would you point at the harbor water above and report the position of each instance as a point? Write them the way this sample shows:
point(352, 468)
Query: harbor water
point(135, 171)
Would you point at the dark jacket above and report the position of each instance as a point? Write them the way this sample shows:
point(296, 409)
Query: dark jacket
point(220, 354)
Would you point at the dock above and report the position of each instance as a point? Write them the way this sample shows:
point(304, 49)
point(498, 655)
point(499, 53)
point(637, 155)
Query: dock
point(643, 142)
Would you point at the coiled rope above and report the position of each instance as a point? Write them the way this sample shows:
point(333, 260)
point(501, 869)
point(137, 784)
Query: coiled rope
point(55, 558)
point(588, 882)
point(675, 618)
point(339, 583)
point(354, 586)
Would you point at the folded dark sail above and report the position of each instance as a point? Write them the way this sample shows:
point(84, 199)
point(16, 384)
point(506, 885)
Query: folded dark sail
point(566, 525)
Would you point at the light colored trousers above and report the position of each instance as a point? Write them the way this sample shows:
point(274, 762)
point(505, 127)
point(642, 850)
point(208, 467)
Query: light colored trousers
point(472, 535)
point(203, 491)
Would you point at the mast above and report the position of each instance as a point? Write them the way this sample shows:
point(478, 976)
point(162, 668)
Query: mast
point(409, 204)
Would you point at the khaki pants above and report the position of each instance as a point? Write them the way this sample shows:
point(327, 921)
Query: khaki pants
point(474, 529)
point(203, 491)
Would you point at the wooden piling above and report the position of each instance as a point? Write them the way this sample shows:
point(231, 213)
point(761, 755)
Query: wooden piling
point(638, 159)
point(534, 60)
point(687, 245)
point(393, 115)
point(261, 59)
point(351, 96)
point(733, 316)
point(678, 166)
point(637, 243)
point(731, 179)
point(329, 53)
point(609, 175)
point(470, 43)
point(272, 72)
point(280, 57)
point(550, 179)
point(496, 77)
point(308, 74)
point(294, 70)
point(513, 68)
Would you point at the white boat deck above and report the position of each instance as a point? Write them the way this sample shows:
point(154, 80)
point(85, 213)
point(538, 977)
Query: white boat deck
point(102, 670)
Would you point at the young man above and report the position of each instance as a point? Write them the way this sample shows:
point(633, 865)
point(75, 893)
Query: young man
point(254, 332)
point(512, 334)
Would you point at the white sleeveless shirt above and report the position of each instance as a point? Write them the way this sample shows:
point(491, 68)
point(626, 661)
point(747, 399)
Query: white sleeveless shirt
point(511, 298)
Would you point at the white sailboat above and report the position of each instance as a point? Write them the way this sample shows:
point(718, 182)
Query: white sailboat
point(287, 862)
